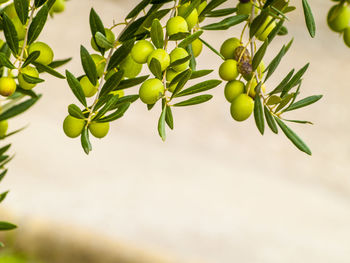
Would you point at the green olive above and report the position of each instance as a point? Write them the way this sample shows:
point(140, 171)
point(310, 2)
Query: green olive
point(229, 46)
point(250, 87)
point(7, 86)
point(30, 71)
point(246, 9)
point(338, 17)
point(233, 89)
point(99, 129)
point(100, 63)
point(58, 6)
point(4, 125)
point(46, 53)
point(265, 29)
point(72, 126)
point(175, 25)
point(88, 88)
point(242, 107)
point(197, 47)
point(176, 54)
point(130, 67)
point(192, 18)
point(162, 56)
point(141, 50)
point(228, 70)
point(151, 91)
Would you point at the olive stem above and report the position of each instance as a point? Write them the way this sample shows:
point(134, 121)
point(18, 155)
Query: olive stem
point(105, 69)
point(26, 36)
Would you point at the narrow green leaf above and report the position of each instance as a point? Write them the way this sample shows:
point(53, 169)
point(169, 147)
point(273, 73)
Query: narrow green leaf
point(112, 83)
point(304, 102)
point(85, 141)
point(270, 120)
point(31, 58)
point(18, 109)
point(180, 61)
point(200, 87)
point(120, 54)
point(200, 73)
point(181, 81)
point(259, 55)
point(282, 83)
point(193, 63)
point(117, 114)
point(39, 3)
point(157, 34)
point(211, 6)
point(293, 137)
point(259, 114)
point(2, 174)
point(179, 36)
point(76, 88)
point(226, 23)
point(4, 61)
point(194, 4)
point(58, 63)
point(3, 195)
point(188, 40)
point(37, 24)
point(309, 18)
point(294, 81)
point(10, 33)
point(195, 100)
point(275, 62)
point(4, 149)
point(222, 12)
point(75, 111)
point(96, 25)
point(102, 41)
point(47, 69)
point(169, 118)
point(30, 79)
point(299, 121)
point(134, 12)
point(161, 123)
point(128, 83)
point(89, 65)
point(6, 226)
point(155, 68)
point(22, 9)
point(212, 49)
point(107, 107)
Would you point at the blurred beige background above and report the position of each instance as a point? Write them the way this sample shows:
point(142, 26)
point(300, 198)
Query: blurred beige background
point(216, 191)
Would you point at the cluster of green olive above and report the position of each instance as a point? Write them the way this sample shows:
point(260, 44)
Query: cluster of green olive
point(339, 20)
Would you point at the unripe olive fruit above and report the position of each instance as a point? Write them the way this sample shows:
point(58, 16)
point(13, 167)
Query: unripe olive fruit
point(4, 125)
point(246, 8)
point(175, 25)
point(100, 63)
point(46, 53)
point(170, 75)
point(99, 129)
point(20, 29)
point(88, 88)
point(191, 19)
point(109, 36)
point(242, 107)
point(59, 6)
point(229, 46)
point(28, 70)
point(338, 17)
point(151, 91)
point(141, 50)
point(251, 85)
point(197, 47)
point(162, 56)
point(233, 89)
point(130, 67)
point(72, 126)
point(265, 29)
point(347, 36)
point(176, 54)
point(228, 70)
point(7, 86)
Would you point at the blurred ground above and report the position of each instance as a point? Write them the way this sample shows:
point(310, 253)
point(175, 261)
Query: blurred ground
point(216, 191)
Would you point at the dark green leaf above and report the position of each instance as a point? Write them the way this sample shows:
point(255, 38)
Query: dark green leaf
point(293, 137)
point(259, 55)
point(75, 111)
point(222, 12)
point(304, 102)
point(47, 69)
point(294, 81)
point(259, 114)
point(226, 23)
point(3, 195)
point(212, 49)
point(157, 34)
point(112, 83)
point(30, 79)
point(120, 54)
point(138, 9)
point(89, 65)
point(155, 68)
point(193, 101)
point(270, 120)
point(117, 114)
point(169, 118)
point(128, 83)
point(211, 6)
point(180, 61)
point(113, 100)
point(188, 40)
point(85, 141)
point(179, 36)
point(161, 123)
point(102, 41)
point(6, 226)
point(193, 63)
point(31, 58)
point(76, 88)
point(22, 9)
point(200, 73)
point(200, 87)
point(299, 121)
point(181, 80)
point(10, 33)
point(37, 24)
point(2, 175)
point(58, 63)
point(282, 83)
point(4, 149)
point(39, 3)
point(96, 25)
point(309, 18)
point(4, 61)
